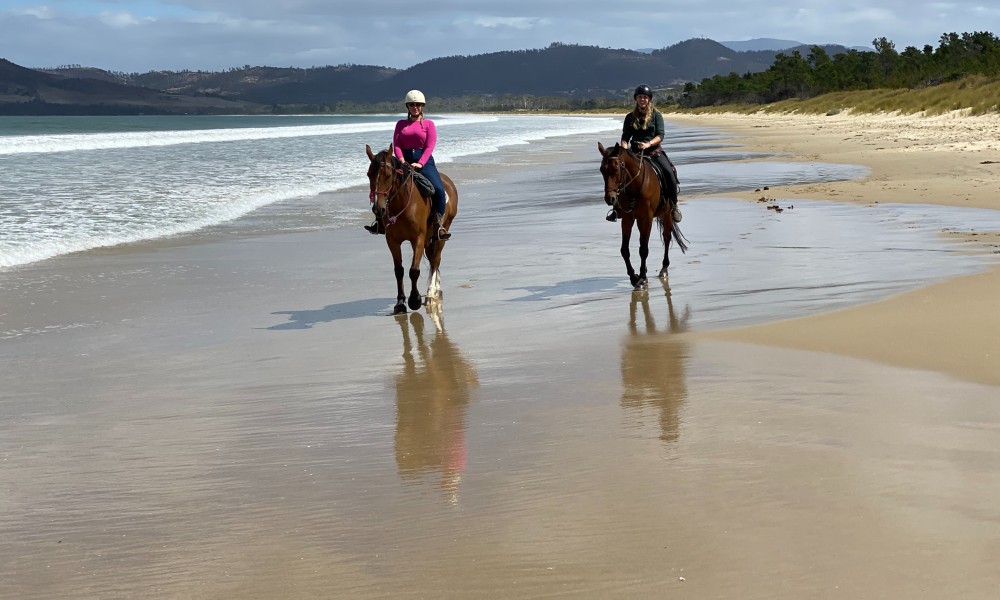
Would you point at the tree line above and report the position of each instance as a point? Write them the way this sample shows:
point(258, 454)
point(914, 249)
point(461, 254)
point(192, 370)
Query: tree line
point(794, 76)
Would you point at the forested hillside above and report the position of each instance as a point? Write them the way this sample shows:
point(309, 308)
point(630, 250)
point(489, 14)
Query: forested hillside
point(793, 75)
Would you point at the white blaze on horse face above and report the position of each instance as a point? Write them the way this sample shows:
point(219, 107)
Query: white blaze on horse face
point(383, 183)
point(611, 176)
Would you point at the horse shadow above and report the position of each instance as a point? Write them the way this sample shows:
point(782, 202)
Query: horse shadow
point(306, 319)
point(653, 365)
point(433, 393)
point(572, 287)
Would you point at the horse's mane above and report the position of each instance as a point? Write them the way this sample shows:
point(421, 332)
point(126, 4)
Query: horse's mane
point(618, 149)
point(382, 154)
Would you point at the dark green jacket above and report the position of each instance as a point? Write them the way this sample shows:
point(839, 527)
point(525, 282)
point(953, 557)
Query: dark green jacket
point(632, 133)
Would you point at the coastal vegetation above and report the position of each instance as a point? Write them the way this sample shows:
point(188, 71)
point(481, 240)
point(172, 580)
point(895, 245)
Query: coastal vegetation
point(962, 72)
point(974, 95)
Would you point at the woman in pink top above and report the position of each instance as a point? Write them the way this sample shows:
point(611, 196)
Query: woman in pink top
point(413, 142)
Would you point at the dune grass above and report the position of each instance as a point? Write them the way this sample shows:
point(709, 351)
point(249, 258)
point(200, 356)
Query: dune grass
point(974, 95)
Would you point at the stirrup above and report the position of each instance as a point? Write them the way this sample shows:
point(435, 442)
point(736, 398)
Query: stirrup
point(612, 216)
point(375, 228)
point(675, 214)
point(443, 234)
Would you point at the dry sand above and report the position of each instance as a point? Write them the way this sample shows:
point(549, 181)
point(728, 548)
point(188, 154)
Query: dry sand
point(950, 160)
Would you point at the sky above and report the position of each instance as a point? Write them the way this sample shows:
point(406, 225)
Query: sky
point(213, 35)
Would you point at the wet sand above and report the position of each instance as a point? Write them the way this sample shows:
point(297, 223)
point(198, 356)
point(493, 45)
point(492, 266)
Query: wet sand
point(226, 415)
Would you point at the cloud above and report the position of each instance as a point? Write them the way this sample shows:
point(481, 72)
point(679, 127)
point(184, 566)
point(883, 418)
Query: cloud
point(39, 12)
point(513, 22)
point(119, 19)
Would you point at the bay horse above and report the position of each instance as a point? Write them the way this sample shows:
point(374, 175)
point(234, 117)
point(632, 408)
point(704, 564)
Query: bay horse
point(632, 189)
point(406, 215)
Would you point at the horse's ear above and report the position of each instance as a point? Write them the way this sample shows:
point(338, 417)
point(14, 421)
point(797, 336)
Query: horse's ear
point(600, 147)
point(368, 151)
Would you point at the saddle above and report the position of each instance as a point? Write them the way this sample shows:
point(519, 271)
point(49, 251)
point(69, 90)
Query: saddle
point(668, 180)
point(423, 184)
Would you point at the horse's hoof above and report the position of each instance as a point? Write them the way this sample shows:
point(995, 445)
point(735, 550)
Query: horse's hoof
point(415, 302)
point(399, 309)
point(641, 284)
point(663, 273)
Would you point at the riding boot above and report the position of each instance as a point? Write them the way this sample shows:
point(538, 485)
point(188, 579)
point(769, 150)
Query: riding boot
point(612, 216)
point(442, 233)
point(375, 228)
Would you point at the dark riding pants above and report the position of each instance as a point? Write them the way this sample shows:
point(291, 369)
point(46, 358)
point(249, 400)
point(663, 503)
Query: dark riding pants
point(430, 172)
point(666, 167)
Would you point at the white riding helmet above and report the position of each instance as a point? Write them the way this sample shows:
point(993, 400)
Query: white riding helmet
point(414, 96)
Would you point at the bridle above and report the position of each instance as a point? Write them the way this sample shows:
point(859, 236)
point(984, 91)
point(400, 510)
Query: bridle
point(625, 182)
point(387, 164)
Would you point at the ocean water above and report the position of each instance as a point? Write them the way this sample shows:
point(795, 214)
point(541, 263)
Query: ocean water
point(69, 184)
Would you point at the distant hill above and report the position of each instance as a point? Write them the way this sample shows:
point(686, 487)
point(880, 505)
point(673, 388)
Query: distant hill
point(772, 44)
point(272, 85)
point(761, 44)
point(26, 91)
point(560, 70)
point(699, 58)
point(566, 71)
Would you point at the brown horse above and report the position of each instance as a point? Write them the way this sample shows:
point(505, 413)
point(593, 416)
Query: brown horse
point(406, 216)
point(632, 189)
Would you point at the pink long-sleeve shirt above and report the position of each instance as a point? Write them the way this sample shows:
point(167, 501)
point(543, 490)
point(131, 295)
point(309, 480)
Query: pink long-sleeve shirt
point(410, 135)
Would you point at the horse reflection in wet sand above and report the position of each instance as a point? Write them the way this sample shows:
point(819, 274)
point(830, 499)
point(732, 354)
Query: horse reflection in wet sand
point(653, 365)
point(632, 189)
point(433, 392)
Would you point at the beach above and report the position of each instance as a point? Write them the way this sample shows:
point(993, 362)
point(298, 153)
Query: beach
point(948, 160)
point(806, 407)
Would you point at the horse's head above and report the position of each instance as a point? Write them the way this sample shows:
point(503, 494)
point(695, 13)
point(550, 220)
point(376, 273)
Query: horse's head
point(382, 174)
point(619, 168)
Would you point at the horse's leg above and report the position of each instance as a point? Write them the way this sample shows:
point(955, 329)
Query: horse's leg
point(434, 277)
point(645, 226)
point(627, 221)
point(418, 252)
point(397, 267)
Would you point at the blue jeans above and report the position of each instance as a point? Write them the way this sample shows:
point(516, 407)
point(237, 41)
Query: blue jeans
point(430, 172)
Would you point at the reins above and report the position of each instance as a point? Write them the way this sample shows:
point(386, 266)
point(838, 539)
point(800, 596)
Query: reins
point(632, 177)
point(391, 193)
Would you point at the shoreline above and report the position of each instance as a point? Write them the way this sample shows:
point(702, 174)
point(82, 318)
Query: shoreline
point(951, 160)
point(239, 414)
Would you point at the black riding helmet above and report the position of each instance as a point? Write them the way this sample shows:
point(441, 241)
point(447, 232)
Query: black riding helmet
point(644, 90)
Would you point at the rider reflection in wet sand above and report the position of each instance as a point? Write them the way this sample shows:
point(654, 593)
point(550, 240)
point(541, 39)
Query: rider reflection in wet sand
point(653, 365)
point(432, 396)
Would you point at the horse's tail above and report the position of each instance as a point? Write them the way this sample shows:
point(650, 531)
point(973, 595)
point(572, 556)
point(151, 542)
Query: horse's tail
point(675, 231)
